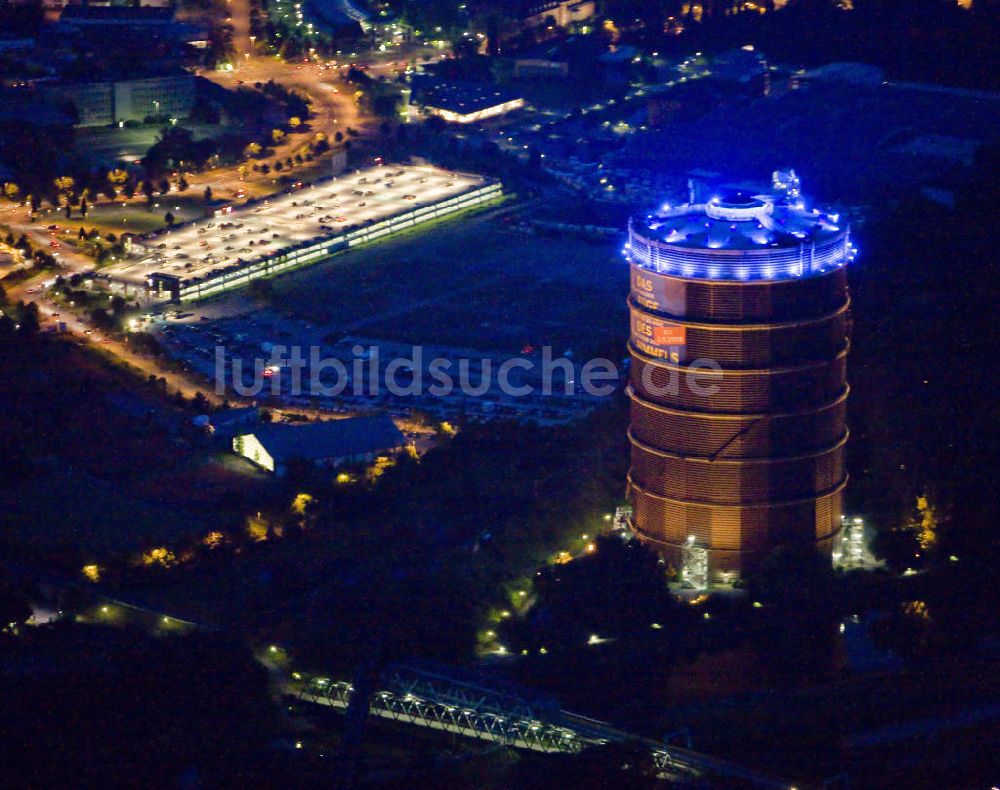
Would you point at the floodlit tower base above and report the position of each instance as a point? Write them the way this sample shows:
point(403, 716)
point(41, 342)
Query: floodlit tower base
point(850, 549)
point(694, 565)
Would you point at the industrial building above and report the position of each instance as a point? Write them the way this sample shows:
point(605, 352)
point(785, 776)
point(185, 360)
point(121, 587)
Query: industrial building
point(327, 444)
point(464, 102)
point(739, 338)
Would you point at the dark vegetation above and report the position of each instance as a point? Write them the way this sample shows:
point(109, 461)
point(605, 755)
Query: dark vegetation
point(93, 705)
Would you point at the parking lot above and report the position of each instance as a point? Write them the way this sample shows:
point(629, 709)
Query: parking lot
point(510, 297)
point(362, 383)
point(260, 229)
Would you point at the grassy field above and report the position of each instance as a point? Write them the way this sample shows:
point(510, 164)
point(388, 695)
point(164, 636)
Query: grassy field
point(474, 283)
point(132, 217)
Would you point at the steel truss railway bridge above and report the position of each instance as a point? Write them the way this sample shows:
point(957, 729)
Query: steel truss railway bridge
point(445, 699)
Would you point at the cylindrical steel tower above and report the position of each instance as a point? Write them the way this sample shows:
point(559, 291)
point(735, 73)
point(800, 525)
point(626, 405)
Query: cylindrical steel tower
point(739, 317)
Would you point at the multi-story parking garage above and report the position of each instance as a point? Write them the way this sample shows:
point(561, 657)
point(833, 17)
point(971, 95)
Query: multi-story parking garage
point(739, 339)
point(273, 235)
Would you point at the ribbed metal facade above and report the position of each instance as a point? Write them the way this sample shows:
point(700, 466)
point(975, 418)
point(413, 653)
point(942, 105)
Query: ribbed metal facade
point(737, 433)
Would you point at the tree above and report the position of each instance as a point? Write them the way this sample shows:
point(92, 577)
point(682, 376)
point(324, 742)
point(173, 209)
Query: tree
point(14, 608)
point(200, 403)
point(100, 318)
point(29, 319)
point(65, 186)
point(295, 122)
point(117, 177)
point(277, 135)
point(175, 146)
point(927, 525)
point(11, 190)
point(436, 124)
point(251, 150)
point(798, 589)
point(261, 291)
point(618, 589)
point(150, 712)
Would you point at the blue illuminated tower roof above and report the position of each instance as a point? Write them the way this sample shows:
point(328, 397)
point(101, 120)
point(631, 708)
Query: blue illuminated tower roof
point(739, 236)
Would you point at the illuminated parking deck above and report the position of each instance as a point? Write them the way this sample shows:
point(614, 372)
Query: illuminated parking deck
point(204, 251)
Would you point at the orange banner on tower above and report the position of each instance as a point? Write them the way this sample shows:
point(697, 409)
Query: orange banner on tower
point(670, 335)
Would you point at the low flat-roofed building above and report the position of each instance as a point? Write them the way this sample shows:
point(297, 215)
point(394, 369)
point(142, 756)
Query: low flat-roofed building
point(233, 422)
point(326, 444)
point(465, 102)
point(563, 13)
point(107, 24)
point(124, 16)
point(540, 65)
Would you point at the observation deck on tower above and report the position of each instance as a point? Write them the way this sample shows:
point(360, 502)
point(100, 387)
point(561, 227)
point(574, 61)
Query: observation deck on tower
point(739, 236)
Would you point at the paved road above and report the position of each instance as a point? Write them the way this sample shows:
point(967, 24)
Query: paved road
point(51, 314)
point(334, 111)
